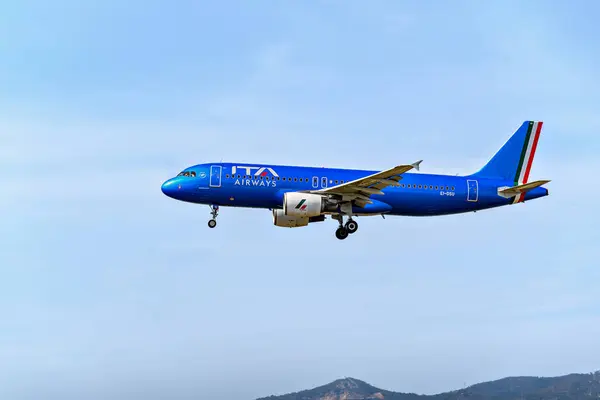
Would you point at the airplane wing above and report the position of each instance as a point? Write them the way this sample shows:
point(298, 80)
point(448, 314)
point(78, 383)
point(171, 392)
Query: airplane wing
point(515, 190)
point(361, 189)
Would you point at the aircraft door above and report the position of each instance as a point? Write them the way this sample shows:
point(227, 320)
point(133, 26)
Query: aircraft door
point(473, 190)
point(324, 182)
point(315, 182)
point(215, 175)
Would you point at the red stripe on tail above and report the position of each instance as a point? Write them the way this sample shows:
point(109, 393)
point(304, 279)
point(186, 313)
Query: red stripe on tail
point(533, 147)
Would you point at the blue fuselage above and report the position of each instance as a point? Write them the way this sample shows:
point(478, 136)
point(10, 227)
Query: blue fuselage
point(263, 186)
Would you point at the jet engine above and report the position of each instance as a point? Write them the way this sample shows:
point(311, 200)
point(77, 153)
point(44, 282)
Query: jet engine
point(286, 221)
point(303, 204)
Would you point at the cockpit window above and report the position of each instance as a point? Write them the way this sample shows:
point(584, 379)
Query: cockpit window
point(187, 173)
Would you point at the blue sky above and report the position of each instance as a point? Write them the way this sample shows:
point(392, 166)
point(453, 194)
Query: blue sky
point(111, 290)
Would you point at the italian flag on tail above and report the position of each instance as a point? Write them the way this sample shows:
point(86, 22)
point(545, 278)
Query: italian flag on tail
point(527, 154)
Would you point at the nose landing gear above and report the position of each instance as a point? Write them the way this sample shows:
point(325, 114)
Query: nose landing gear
point(215, 213)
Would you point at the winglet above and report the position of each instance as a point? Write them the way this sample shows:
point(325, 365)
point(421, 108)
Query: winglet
point(417, 165)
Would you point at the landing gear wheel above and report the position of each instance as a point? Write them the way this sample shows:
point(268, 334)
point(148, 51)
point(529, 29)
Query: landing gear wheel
point(351, 226)
point(341, 233)
point(214, 211)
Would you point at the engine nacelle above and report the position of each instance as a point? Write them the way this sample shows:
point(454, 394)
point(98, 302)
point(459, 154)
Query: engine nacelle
point(303, 204)
point(286, 221)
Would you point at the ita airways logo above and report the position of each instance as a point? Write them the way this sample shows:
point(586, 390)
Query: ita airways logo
point(301, 205)
point(254, 176)
point(202, 175)
point(256, 171)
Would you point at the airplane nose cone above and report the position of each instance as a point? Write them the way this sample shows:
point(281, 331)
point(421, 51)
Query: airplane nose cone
point(169, 188)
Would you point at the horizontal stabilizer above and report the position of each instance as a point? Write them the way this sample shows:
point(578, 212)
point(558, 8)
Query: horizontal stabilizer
point(516, 190)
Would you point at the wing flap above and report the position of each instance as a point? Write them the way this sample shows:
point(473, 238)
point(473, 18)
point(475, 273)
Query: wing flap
point(372, 184)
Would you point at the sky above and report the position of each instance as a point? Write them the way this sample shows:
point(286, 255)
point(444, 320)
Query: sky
point(109, 289)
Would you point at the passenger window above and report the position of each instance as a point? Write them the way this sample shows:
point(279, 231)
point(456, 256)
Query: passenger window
point(452, 188)
point(295, 179)
point(336, 181)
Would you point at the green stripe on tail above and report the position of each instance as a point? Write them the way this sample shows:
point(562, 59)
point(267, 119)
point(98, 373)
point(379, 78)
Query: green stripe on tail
point(524, 152)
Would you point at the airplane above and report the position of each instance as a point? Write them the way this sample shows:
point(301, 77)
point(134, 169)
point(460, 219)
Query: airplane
point(298, 196)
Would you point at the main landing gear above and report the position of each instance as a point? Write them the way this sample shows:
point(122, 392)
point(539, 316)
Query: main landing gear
point(214, 212)
point(351, 226)
point(344, 230)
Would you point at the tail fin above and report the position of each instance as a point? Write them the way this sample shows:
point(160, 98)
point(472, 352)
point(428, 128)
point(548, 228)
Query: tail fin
point(513, 161)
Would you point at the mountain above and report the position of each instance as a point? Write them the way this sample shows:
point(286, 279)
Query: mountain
point(568, 387)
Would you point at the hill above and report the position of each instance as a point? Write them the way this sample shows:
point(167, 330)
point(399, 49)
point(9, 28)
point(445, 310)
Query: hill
point(568, 387)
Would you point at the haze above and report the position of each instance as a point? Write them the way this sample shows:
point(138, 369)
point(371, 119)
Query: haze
point(110, 289)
